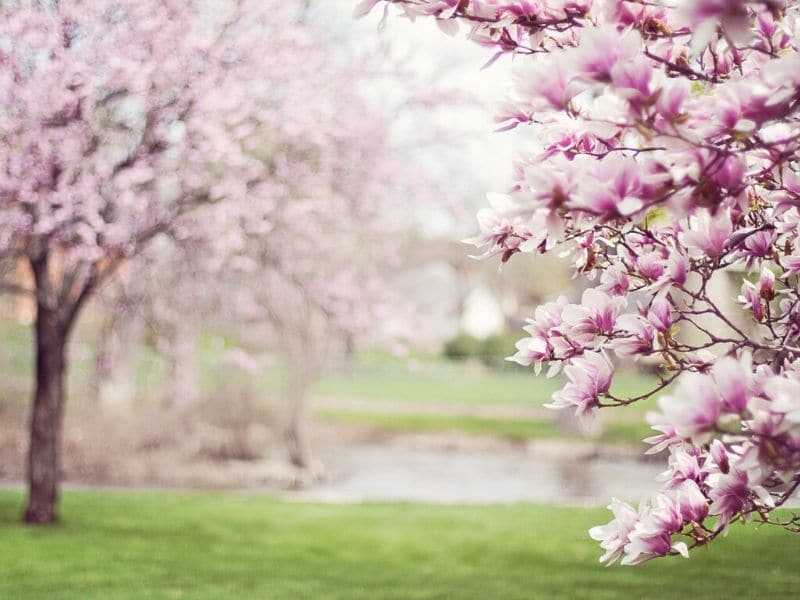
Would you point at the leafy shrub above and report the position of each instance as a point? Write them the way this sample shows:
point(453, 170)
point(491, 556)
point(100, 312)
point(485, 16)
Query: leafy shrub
point(491, 351)
point(462, 347)
point(495, 348)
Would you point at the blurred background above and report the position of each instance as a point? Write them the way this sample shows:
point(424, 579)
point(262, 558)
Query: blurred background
point(335, 324)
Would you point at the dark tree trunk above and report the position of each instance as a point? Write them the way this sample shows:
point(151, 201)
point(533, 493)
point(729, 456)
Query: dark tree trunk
point(46, 416)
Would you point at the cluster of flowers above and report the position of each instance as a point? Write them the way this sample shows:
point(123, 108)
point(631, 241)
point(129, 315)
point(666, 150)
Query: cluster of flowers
point(667, 165)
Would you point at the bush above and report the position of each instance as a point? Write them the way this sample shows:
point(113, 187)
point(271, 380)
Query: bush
point(491, 351)
point(462, 347)
point(495, 348)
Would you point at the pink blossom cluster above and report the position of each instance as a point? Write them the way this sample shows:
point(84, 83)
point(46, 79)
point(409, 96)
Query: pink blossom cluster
point(733, 438)
point(667, 165)
point(117, 118)
point(306, 231)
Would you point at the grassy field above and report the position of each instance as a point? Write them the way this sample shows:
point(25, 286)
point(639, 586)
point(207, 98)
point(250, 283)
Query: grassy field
point(160, 545)
point(435, 380)
point(385, 379)
point(613, 432)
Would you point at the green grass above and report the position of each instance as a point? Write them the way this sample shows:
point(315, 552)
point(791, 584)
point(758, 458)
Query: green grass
point(615, 432)
point(442, 381)
point(159, 545)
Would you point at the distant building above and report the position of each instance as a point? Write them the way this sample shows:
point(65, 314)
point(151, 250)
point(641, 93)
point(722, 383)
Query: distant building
point(482, 312)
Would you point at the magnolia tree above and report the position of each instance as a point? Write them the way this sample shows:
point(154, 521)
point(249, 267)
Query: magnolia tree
point(315, 287)
point(668, 137)
point(307, 269)
point(116, 118)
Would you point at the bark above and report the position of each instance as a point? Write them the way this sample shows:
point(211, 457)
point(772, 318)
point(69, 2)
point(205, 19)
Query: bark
point(46, 416)
point(60, 296)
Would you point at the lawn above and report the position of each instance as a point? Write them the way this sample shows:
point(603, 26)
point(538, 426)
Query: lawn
point(170, 545)
point(630, 432)
point(430, 379)
point(383, 379)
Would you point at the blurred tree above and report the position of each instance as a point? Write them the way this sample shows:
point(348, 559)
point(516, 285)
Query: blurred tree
point(307, 251)
point(119, 118)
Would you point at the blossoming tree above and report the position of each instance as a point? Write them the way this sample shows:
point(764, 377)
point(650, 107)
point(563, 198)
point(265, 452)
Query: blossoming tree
point(301, 260)
point(308, 269)
point(118, 117)
point(668, 136)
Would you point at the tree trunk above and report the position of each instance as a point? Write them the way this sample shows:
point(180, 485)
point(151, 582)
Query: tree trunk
point(295, 434)
point(46, 417)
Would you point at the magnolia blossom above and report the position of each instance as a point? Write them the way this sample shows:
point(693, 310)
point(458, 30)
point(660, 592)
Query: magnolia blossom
point(666, 138)
point(588, 377)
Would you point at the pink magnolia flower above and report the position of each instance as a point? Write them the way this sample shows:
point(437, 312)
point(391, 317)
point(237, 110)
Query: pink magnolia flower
point(616, 189)
point(660, 314)
point(684, 465)
point(756, 297)
point(730, 173)
point(766, 284)
point(595, 316)
point(636, 81)
point(553, 187)
point(602, 48)
point(692, 503)
point(731, 15)
point(719, 454)
point(758, 246)
point(541, 346)
point(694, 408)
point(791, 264)
point(666, 437)
point(733, 493)
point(614, 536)
point(615, 281)
point(676, 270)
point(651, 265)
point(670, 104)
point(506, 229)
point(734, 380)
point(659, 519)
point(785, 395)
point(532, 350)
point(588, 377)
point(627, 13)
point(752, 300)
point(708, 233)
point(637, 339)
point(548, 84)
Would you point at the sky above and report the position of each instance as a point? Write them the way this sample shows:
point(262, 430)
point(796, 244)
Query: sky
point(478, 159)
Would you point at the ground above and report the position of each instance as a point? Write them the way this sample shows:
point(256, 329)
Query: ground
point(169, 545)
point(468, 444)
